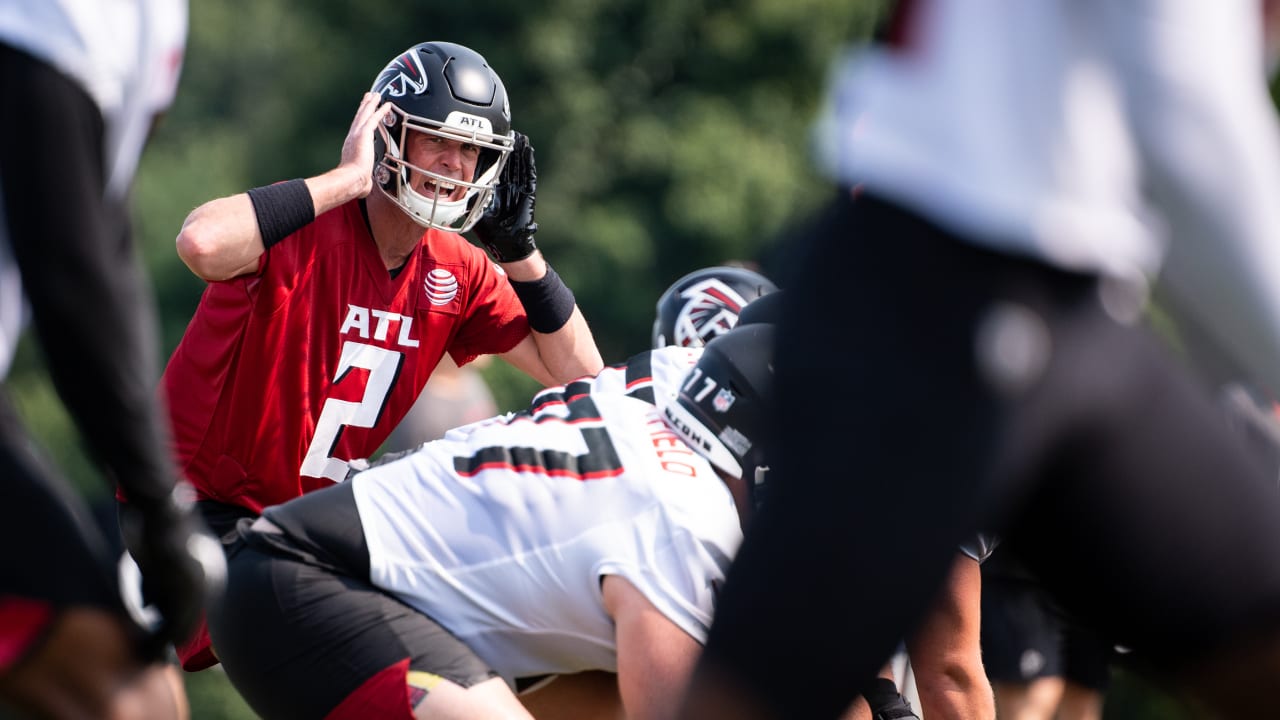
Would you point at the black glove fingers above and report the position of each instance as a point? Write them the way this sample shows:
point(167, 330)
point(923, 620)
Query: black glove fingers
point(529, 171)
point(517, 162)
point(507, 227)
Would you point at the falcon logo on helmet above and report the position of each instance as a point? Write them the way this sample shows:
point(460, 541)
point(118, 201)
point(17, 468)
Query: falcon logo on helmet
point(704, 305)
point(403, 74)
point(711, 308)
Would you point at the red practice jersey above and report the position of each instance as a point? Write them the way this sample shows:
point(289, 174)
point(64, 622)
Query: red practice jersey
point(285, 375)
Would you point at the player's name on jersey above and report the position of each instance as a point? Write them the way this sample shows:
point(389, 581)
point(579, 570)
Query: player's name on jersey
point(359, 320)
point(667, 444)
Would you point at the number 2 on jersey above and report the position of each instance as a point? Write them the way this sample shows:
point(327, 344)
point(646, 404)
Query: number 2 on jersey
point(383, 366)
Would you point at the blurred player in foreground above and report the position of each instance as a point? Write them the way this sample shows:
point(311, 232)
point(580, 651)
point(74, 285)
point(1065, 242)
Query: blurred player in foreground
point(946, 656)
point(79, 106)
point(990, 280)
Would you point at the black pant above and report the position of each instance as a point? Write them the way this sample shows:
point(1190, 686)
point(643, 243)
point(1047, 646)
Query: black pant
point(56, 551)
point(928, 387)
point(301, 627)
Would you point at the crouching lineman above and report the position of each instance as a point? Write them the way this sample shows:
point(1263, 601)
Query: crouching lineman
point(590, 533)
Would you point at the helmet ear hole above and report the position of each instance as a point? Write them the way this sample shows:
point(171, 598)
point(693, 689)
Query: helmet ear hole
point(382, 145)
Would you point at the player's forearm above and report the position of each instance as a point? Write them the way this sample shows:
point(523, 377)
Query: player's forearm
point(530, 269)
point(220, 239)
point(570, 352)
point(223, 238)
point(1207, 133)
point(1223, 266)
point(565, 344)
point(337, 187)
point(100, 344)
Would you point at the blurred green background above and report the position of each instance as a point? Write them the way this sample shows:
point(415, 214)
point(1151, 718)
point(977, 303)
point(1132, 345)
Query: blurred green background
point(670, 135)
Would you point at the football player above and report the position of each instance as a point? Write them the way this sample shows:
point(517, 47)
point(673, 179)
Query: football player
point(332, 298)
point(83, 84)
point(1026, 168)
point(587, 534)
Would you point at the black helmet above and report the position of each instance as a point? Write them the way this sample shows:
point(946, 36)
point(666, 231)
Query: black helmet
point(704, 304)
point(766, 310)
point(724, 410)
point(449, 91)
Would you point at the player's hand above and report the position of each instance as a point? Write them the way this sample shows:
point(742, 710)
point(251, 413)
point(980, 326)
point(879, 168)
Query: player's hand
point(182, 565)
point(357, 149)
point(506, 229)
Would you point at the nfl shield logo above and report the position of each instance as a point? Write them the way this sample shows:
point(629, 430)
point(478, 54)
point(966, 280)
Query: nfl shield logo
point(723, 400)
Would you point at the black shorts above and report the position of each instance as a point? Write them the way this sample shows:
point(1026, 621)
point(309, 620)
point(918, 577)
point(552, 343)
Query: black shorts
point(57, 555)
point(297, 635)
point(1026, 636)
point(917, 370)
point(222, 518)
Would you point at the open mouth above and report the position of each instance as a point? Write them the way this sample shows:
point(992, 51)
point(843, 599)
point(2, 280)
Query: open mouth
point(441, 190)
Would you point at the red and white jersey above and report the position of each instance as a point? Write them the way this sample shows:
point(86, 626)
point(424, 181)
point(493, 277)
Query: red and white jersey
point(503, 536)
point(285, 375)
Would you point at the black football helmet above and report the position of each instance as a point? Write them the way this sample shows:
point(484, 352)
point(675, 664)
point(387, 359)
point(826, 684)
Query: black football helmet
point(705, 304)
point(766, 309)
point(446, 90)
point(724, 409)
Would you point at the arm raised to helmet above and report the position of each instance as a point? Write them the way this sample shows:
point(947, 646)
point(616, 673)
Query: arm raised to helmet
point(561, 347)
point(225, 237)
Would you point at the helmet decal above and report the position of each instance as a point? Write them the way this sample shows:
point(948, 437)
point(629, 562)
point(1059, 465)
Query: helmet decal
point(402, 75)
point(704, 304)
point(468, 122)
point(723, 400)
point(711, 309)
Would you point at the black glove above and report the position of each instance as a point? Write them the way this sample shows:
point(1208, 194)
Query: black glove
point(506, 229)
point(182, 565)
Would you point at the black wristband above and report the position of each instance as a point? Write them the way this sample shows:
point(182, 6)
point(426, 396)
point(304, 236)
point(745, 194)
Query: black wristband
point(282, 209)
point(547, 301)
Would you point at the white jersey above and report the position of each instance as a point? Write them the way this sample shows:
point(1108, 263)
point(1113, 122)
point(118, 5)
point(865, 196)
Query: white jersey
point(654, 376)
point(127, 55)
point(1044, 127)
point(503, 535)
